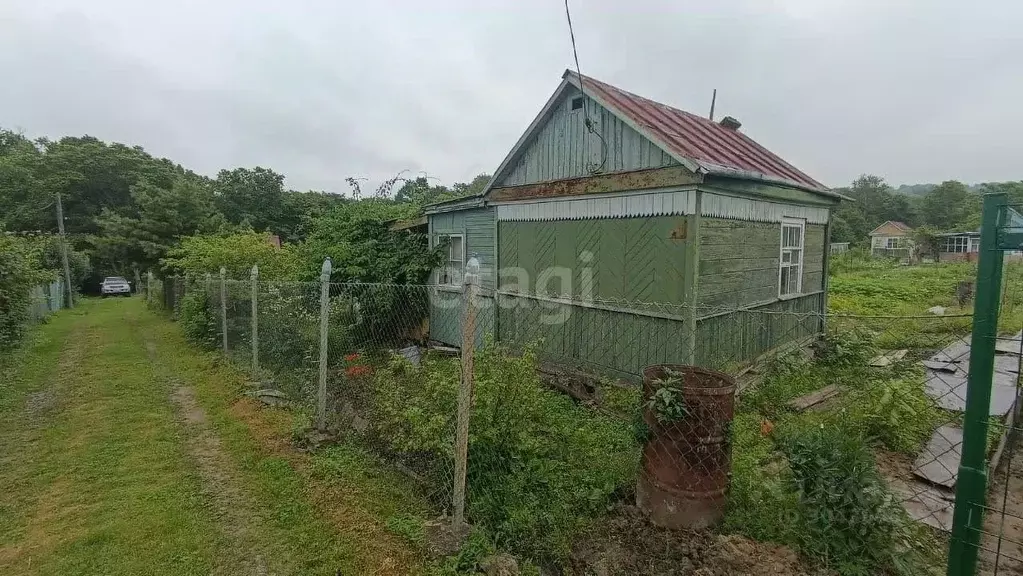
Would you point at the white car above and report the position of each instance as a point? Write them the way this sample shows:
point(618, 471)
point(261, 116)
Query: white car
point(115, 286)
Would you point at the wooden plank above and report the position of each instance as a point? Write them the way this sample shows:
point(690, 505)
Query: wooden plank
point(803, 403)
point(617, 182)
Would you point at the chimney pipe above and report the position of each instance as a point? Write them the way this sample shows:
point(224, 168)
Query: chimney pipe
point(730, 123)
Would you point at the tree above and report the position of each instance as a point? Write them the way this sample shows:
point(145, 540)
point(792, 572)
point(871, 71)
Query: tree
point(874, 202)
point(951, 206)
point(253, 197)
point(199, 255)
point(357, 239)
point(161, 217)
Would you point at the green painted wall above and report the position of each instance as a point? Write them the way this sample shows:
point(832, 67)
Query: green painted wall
point(617, 342)
point(563, 149)
point(729, 339)
point(477, 225)
point(632, 259)
point(739, 262)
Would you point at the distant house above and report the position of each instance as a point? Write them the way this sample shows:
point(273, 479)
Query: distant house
point(656, 231)
point(839, 247)
point(965, 247)
point(893, 239)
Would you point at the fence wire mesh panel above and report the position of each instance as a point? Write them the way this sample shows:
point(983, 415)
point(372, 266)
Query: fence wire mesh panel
point(988, 527)
point(546, 421)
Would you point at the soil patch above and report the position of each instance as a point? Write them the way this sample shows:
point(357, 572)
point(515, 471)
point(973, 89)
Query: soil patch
point(232, 506)
point(1004, 555)
point(625, 543)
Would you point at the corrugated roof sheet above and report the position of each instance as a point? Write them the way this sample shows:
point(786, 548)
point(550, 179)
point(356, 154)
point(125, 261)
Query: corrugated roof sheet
point(713, 147)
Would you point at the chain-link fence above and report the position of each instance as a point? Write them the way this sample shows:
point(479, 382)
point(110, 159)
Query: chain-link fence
point(45, 300)
point(839, 435)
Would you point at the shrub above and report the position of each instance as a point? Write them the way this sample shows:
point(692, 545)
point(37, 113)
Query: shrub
point(540, 467)
point(20, 272)
point(897, 413)
point(848, 520)
point(197, 320)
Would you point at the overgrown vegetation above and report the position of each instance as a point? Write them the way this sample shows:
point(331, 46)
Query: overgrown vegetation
point(810, 480)
point(541, 466)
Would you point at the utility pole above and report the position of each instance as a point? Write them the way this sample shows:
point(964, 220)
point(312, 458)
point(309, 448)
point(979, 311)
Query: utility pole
point(713, 100)
point(63, 253)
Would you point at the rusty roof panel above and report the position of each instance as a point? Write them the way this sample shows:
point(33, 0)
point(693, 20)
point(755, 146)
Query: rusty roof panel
point(699, 139)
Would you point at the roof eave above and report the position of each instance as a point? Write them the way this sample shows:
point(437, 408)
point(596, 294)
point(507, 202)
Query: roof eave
point(455, 204)
point(724, 171)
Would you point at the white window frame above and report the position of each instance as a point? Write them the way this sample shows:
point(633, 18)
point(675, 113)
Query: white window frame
point(448, 262)
point(800, 250)
point(956, 245)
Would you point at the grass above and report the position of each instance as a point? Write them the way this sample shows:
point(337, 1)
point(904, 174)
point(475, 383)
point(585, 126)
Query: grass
point(99, 475)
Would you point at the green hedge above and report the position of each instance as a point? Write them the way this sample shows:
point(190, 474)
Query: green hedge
point(20, 272)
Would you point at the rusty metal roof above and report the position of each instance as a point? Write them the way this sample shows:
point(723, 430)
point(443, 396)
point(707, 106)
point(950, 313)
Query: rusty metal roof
point(714, 148)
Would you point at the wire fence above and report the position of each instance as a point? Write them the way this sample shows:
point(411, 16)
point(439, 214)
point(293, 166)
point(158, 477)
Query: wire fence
point(534, 416)
point(45, 300)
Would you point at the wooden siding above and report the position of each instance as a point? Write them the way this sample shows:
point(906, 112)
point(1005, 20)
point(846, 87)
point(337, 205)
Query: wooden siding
point(633, 259)
point(603, 339)
point(478, 227)
point(562, 148)
point(739, 262)
point(727, 340)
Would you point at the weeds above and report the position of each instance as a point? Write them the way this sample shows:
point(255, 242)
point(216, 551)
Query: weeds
point(542, 467)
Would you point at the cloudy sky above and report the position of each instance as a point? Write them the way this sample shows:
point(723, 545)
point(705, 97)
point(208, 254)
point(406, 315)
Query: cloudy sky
point(916, 91)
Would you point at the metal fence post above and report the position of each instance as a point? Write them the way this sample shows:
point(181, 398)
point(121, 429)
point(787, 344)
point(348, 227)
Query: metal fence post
point(465, 391)
point(254, 278)
point(149, 287)
point(971, 487)
point(223, 307)
point(321, 398)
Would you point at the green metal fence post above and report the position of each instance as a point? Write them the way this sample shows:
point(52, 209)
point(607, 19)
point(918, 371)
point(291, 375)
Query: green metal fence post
point(971, 487)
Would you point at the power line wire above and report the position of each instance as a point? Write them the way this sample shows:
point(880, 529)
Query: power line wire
point(594, 168)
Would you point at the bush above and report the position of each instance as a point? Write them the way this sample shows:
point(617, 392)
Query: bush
point(20, 272)
point(897, 413)
point(540, 467)
point(197, 320)
point(847, 518)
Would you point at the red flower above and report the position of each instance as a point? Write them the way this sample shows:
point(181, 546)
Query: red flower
point(352, 357)
point(357, 371)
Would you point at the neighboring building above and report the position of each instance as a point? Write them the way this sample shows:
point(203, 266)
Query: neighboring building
point(893, 239)
point(654, 233)
point(958, 246)
point(839, 247)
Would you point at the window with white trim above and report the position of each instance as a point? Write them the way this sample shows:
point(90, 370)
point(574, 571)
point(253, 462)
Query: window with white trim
point(451, 273)
point(956, 244)
point(790, 266)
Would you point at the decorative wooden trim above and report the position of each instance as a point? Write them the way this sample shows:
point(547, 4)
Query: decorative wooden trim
point(672, 176)
point(612, 206)
point(737, 208)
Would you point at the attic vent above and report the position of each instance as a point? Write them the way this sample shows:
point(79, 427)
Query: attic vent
point(577, 103)
point(730, 123)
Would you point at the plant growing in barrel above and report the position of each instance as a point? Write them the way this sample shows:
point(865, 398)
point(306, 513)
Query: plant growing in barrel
point(687, 411)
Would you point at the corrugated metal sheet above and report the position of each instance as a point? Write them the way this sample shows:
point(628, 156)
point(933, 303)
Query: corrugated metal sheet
point(715, 148)
point(736, 208)
point(620, 206)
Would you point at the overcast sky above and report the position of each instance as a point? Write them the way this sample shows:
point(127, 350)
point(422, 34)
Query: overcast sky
point(916, 91)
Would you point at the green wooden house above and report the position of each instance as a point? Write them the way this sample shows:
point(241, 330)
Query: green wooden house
point(622, 232)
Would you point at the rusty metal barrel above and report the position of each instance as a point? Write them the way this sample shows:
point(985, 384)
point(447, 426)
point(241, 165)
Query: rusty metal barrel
point(683, 480)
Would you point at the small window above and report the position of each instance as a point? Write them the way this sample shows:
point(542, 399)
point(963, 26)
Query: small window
point(451, 274)
point(894, 243)
point(790, 266)
point(577, 103)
